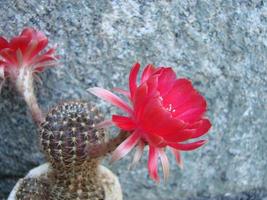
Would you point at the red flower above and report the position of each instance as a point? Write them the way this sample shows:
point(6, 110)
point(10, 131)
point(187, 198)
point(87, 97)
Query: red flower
point(25, 51)
point(164, 112)
point(20, 58)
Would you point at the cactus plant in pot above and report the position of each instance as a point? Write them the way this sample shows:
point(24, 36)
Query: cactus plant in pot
point(164, 113)
point(74, 147)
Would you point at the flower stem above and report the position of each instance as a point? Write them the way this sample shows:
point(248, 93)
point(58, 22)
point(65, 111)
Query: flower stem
point(107, 147)
point(24, 84)
point(2, 77)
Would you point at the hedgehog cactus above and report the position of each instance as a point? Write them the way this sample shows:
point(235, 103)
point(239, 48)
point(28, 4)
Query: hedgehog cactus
point(66, 135)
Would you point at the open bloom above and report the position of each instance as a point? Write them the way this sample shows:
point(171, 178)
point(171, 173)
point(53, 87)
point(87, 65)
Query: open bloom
point(164, 112)
point(21, 58)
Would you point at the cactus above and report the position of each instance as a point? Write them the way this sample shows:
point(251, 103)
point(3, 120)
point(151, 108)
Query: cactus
point(66, 134)
point(82, 183)
point(33, 189)
point(74, 145)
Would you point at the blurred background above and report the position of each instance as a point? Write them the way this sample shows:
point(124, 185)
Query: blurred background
point(221, 45)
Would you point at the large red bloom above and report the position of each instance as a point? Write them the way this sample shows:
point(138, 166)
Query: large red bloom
point(164, 112)
point(25, 51)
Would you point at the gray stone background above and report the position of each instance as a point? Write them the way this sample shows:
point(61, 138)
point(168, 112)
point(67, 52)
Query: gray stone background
point(221, 45)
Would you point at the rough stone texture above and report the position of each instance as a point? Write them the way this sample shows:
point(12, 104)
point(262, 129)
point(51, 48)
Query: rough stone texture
point(221, 45)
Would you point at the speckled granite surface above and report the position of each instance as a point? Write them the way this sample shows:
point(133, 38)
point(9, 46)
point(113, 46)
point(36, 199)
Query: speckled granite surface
point(221, 45)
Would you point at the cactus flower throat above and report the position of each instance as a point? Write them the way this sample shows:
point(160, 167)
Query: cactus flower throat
point(164, 112)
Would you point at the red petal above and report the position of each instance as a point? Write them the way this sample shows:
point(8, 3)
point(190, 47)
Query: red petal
point(33, 34)
point(192, 114)
point(188, 146)
point(30, 48)
point(9, 56)
point(2, 63)
point(139, 100)
point(41, 45)
point(138, 154)
point(20, 43)
point(193, 100)
point(28, 32)
point(133, 77)
point(124, 123)
point(3, 43)
point(123, 92)
point(19, 56)
point(180, 136)
point(159, 121)
point(42, 66)
point(153, 114)
point(50, 52)
point(104, 124)
point(166, 80)
point(165, 163)
point(153, 163)
point(126, 146)
point(184, 100)
point(110, 97)
point(181, 89)
point(39, 67)
point(178, 157)
point(43, 59)
point(47, 56)
point(152, 85)
point(152, 139)
point(201, 128)
point(39, 35)
point(148, 71)
point(35, 47)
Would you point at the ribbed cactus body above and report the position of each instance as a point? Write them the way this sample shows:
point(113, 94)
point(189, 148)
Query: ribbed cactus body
point(68, 131)
point(66, 135)
point(82, 184)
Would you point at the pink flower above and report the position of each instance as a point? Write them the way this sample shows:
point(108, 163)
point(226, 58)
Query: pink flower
point(163, 112)
point(25, 51)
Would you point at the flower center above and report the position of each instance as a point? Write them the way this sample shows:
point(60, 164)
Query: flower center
point(169, 107)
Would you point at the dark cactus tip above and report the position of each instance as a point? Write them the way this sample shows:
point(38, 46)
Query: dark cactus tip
point(68, 131)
